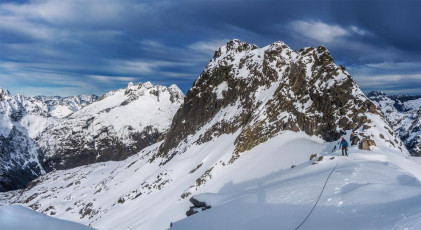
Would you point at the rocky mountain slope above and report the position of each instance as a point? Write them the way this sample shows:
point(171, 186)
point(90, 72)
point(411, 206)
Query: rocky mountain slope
point(41, 134)
point(404, 115)
point(259, 126)
point(118, 125)
point(22, 119)
point(260, 92)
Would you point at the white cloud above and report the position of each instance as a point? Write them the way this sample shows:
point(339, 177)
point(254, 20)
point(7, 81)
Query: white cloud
point(325, 33)
point(208, 46)
point(395, 66)
point(319, 31)
point(358, 30)
point(151, 44)
point(103, 78)
point(58, 11)
point(390, 78)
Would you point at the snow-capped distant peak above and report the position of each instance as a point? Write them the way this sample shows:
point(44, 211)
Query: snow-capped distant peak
point(403, 114)
point(4, 93)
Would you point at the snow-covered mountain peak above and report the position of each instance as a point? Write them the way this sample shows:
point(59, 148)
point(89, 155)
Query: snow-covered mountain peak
point(43, 133)
point(376, 94)
point(118, 125)
point(260, 92)
point(148, 85)
point(233, 47)
point(4, 93)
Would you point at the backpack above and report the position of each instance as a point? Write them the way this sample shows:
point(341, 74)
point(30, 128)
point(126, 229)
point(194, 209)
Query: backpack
point(344, 143)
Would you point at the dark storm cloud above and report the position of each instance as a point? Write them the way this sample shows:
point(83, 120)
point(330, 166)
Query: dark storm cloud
point(75, 46)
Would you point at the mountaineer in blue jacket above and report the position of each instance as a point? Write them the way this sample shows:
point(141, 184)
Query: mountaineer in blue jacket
point(344, 145)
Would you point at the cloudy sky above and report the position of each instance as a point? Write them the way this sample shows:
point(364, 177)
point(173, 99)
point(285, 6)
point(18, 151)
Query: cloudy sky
point(69, 47)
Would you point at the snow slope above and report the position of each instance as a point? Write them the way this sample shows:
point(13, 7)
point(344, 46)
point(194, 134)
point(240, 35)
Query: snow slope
point(15, 217)
point(378, 189)
point(367, 190)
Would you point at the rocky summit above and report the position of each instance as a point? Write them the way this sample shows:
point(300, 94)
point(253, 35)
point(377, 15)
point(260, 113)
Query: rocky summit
point(259, 92)
point(403, 113)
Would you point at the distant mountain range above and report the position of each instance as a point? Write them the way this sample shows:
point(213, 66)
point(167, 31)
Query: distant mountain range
point(41, 134)
point(403, 113)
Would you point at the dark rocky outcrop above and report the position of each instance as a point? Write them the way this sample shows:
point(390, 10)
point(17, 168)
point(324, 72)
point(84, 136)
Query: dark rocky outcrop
point(366, 143)
point(196, 206)
point(79, 151)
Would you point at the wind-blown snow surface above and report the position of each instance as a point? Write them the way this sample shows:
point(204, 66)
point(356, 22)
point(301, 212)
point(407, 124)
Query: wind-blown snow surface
point(366, 191)
point(15, 217)
point(378, 189)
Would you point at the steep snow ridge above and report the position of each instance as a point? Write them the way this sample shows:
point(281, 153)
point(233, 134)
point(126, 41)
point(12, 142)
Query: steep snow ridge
point(116, 126)
point(142, 110)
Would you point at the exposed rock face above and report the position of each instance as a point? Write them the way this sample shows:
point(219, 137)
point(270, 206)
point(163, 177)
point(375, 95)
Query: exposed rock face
point(404, 115)
point(19, 163)
point(366, 143)
point(274, 88)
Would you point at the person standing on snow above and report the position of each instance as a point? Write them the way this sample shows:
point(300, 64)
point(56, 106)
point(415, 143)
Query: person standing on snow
point(344, 145)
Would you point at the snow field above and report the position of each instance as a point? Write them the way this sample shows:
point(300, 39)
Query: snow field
point(368, 190)
point(16, 217)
